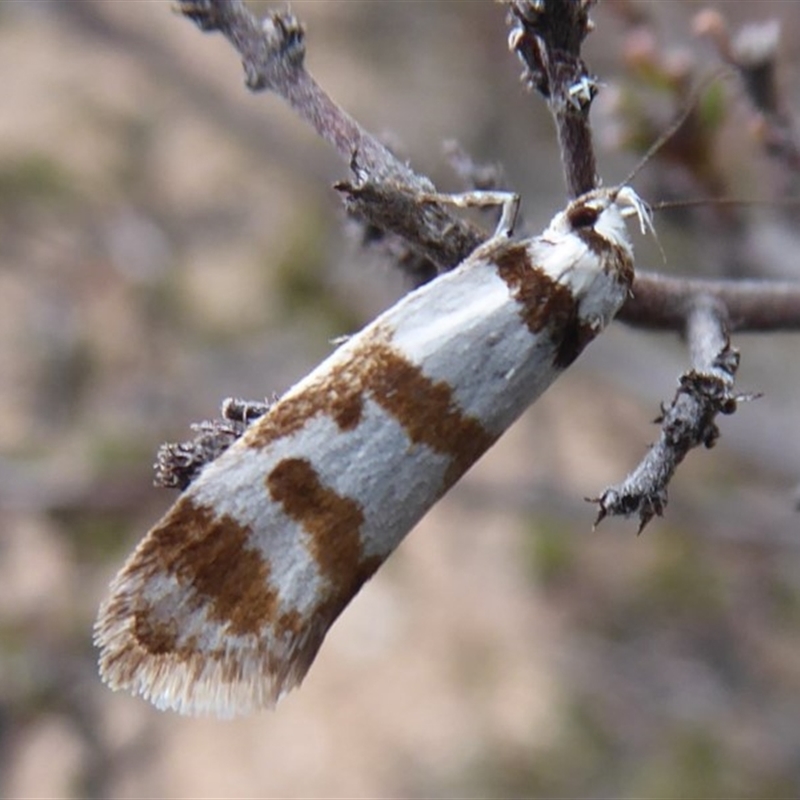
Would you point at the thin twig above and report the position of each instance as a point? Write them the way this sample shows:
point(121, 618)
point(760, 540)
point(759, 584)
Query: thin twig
point(273, 54)
point(547, 38)
point(703, 392)
point(384, 191)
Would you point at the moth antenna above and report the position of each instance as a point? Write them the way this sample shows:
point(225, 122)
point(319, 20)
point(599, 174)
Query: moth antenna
point(677, 123)
point(724, 201)
point(660, 248)
point(718, 201)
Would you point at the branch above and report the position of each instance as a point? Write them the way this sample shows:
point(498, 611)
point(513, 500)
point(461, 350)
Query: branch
point(660, 302)
point(385, 191)
point(548, 38)
point(273, 52)
point(703, 392)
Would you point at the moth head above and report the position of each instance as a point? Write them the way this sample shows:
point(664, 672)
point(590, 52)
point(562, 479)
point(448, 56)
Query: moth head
point(603, 213)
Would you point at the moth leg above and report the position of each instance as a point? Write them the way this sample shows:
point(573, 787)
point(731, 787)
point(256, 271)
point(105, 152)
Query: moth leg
point(508, 201)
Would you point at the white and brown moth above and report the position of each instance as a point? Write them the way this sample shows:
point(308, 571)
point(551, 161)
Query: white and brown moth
point(224, 604)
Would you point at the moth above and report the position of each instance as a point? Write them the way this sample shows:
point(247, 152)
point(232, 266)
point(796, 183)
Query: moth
point(224, 604)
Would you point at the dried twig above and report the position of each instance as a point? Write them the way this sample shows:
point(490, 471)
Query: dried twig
point(384, 192)
point(178, 464)
point(689, 421)
point(547, 37)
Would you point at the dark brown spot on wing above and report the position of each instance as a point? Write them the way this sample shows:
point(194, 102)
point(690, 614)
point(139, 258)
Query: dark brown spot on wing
point(211, 557)
point(157, 637)
point(334, 525)
point(424, 407)
point(544, 303)
point(597, 245)
point(616, 263)
point(218, 576)
point(333, 396)
point(332, 521)
point(575, 336)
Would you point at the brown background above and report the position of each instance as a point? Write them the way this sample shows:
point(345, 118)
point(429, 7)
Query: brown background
point(167, 240)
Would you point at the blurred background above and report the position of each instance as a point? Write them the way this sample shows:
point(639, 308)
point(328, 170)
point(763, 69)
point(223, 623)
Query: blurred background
point(168, 239)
